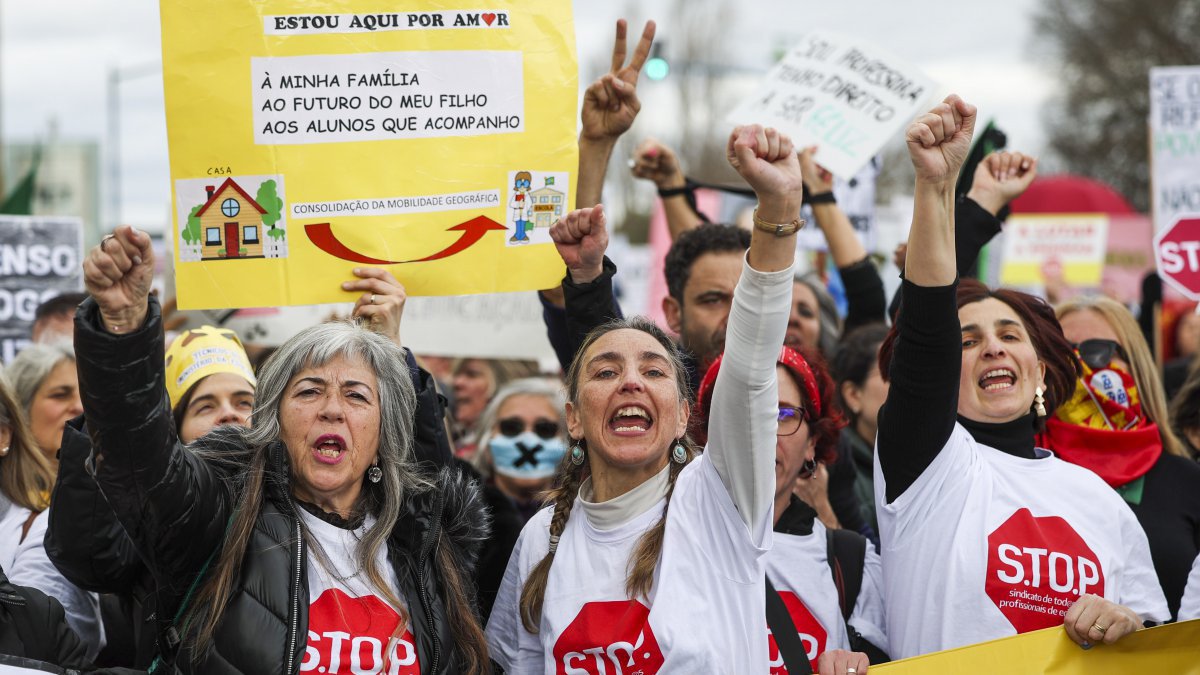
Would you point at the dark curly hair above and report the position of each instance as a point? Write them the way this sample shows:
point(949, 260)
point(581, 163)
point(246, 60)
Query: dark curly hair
point(707, 238)
point(1045, 333)
point(824, 428)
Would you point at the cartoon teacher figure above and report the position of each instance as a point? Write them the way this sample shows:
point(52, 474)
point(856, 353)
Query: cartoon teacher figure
point(520, 205)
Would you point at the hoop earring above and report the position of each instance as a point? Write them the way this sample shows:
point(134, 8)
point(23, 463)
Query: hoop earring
point(577, 454)
point(679, 453)
point(808, 469)
point(1039, 402)
point(374, 474)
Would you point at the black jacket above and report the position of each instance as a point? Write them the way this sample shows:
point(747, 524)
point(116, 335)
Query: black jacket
point(34, 626)
point(89, 547)
point(176, 507)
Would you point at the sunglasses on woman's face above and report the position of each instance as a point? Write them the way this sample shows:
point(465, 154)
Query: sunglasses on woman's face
point(1097, 353)
point(515, 426)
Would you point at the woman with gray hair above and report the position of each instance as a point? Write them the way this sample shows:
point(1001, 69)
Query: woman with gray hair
point(44, 379)
point(523, 441)
point(309, 540)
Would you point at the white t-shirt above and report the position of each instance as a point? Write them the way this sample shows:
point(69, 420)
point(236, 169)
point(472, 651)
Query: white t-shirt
point(707, 605)
point(1189, 608)
point(351, 627)
point(710, 573)
point(27, 564)
point(798, 567)
point(984, 545)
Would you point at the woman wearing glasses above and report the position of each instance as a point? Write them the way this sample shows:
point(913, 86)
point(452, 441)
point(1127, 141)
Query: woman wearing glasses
point(829, 615)
point(1117, 425)
point(983, 535)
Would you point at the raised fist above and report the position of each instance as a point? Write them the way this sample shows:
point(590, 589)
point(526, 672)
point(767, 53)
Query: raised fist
point(939, 140)
point(767, 160)
point(581, 238)
point(118, 274)
point(656, 162)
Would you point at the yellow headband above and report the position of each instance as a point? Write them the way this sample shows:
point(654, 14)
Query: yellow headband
point(201, 352)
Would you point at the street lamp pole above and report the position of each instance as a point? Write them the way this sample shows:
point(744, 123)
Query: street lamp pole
point(113, 93)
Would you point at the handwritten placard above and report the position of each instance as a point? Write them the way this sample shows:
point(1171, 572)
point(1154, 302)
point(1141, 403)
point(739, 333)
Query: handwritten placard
point(1175, 142)
point(846, 96)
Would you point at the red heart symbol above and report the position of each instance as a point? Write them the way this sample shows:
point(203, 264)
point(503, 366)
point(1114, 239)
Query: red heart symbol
point(489, 18)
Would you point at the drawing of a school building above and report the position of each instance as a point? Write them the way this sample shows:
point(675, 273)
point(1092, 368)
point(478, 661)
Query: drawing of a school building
point(547, 206)
point(231, 224)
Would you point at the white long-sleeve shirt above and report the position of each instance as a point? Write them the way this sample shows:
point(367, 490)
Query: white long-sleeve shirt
point(705, 610)
point(27, 564)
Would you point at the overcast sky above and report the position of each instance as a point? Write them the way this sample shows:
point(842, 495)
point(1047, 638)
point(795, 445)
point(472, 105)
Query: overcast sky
point(55, 56)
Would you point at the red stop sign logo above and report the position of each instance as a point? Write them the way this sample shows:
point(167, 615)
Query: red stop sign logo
point(1177, 249)
point(607, 638)
point(356, 635)
point(1037, 568)
point(812, 634)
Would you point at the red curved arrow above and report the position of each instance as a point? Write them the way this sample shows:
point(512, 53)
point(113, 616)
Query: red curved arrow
point(322, 236)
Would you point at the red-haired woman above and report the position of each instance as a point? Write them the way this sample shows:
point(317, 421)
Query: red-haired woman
point(983, 535)
point(827, 619)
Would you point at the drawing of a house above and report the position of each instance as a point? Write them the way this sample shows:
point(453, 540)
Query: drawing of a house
point(547, 206)
point(231, 223)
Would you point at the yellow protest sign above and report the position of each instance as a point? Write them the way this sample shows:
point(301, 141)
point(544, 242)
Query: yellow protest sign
point(308, 137)
point(1173, 648)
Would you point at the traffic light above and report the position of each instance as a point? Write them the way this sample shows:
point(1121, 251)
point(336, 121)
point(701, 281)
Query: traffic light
point(657, 67)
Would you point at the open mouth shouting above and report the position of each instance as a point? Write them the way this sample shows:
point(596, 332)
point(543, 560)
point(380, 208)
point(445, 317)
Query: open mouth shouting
point(998, 379)
point(631, 420)
point(329, 448)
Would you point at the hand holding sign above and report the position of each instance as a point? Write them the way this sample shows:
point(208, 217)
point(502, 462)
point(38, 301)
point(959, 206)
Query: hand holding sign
point(382, 303)
point(841, 661)
point(118, 274)
point(581, 238)
point(611, 104)
point(939, 140)
point(1093, 619)
point(1000, 178)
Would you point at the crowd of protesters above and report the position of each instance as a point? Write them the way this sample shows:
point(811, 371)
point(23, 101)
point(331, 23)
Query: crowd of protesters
point(781, 488)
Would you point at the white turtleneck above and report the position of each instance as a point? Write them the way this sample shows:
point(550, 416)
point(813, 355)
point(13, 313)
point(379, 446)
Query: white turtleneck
point(617, 511)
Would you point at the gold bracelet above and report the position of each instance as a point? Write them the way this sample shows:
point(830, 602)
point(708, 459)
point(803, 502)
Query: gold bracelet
point(777, 229)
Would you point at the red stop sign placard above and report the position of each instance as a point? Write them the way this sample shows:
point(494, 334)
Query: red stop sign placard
point(1177, 252)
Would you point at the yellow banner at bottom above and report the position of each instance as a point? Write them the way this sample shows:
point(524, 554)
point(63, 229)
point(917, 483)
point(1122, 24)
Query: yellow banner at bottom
point(1174, 648)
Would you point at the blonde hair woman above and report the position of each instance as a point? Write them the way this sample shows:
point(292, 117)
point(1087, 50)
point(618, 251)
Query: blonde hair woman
point(1118, 425)
point(25, 482)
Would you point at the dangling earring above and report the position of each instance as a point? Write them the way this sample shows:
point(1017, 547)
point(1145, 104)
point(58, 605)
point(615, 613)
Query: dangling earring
point(4, 451)
point(374, 474)
point(1039, 402)
point(808, 469)
point(679, 453)
point(577, 454)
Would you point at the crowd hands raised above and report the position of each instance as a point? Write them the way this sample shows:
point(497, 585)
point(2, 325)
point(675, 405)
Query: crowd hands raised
point(667, 508)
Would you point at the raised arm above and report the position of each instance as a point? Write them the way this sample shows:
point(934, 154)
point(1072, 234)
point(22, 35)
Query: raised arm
point(166, 499)
point(926, 360)
point(743, 421)
point(865, 297)
point(654, 161)
point(610, 105)
point(1000, 178)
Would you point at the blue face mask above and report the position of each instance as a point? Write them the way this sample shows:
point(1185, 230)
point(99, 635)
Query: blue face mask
point(526, 455)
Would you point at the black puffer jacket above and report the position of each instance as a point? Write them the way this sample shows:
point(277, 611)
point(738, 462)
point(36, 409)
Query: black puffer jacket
point(34, 626)
point(87, 544)
point(176, 507)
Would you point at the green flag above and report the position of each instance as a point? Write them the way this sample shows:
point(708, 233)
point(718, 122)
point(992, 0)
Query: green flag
point(19, 201)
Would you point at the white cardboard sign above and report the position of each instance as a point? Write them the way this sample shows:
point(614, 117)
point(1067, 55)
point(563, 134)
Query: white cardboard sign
point(845, 95)
point(1175, 142)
